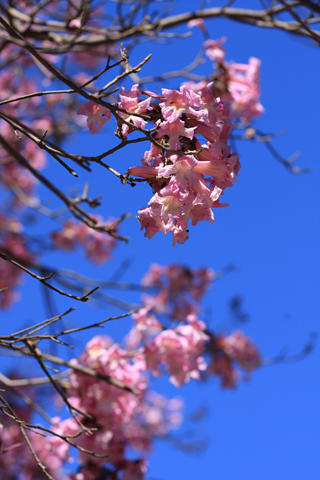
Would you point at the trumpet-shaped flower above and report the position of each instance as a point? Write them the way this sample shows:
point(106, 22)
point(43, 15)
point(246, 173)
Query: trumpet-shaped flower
point(97, 115)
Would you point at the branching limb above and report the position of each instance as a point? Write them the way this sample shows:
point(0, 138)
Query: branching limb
point(43, 280)
point(72, 204)
point(37, 355)
point(7, 410)
point(57, 31)
point(257, 135)
point(283, 356)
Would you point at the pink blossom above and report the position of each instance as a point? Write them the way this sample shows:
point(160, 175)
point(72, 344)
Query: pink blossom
point(98, 245)
point(214, 50)
point(178, 102)
point(175, 129)
point(144, 172)
point(230, 352)
point(179, 183)
point(75, 23)
point(179, 289)
point(244, 81)
point(238, 84)
point(151, 221)
point(130, 102)
point(240, 348)
point(146, 325)
point(180, 354)
point(209, 105)
point(183, 169)
point(172, 201)
point(199, 22)
point(97, 115)
point(223, 170)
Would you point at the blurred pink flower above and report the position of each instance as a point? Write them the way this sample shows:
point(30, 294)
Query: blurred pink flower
point(97, 115)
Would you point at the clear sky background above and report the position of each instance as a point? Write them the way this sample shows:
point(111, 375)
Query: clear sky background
point(268, 428)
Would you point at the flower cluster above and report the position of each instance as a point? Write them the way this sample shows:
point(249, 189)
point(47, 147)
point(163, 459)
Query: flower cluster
point(124, 415)
point(189, 164)
point(184, 351)
point(231, 350)
point(180, 350)
point(123, 420)
point(120, 421)
point(179, 289)
point(186, 185)
point(98, 246)
point(236, 83)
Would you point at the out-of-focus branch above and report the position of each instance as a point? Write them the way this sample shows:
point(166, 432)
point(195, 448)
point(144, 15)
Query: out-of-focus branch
point(25, 382)
point(57, 31)
point(78, 367)
point(31, 340)
point(284, 357)
point(37, 429)
point(258, 136)
point(43, 280)
point(305, 28)
point(30, 334)
point(7, 410)
point(72, 204)
point(35, 352)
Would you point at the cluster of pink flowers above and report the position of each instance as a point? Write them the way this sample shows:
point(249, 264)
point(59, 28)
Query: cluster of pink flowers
point(12, 244)
point(179, 289)
point(98, 245)
point(123, 420)
point(181, 351)
point(178, 351)
point(124, 424)
point(231, 350)
point(236, 83)
point(187, 186)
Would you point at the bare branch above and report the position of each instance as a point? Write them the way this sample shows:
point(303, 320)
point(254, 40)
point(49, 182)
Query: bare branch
point(23, 427)
point(43, 280)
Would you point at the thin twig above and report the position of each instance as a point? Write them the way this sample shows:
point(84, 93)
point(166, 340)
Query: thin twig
point(43, 280)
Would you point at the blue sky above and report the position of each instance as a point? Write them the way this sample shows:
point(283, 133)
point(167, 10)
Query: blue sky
point(269, 428)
